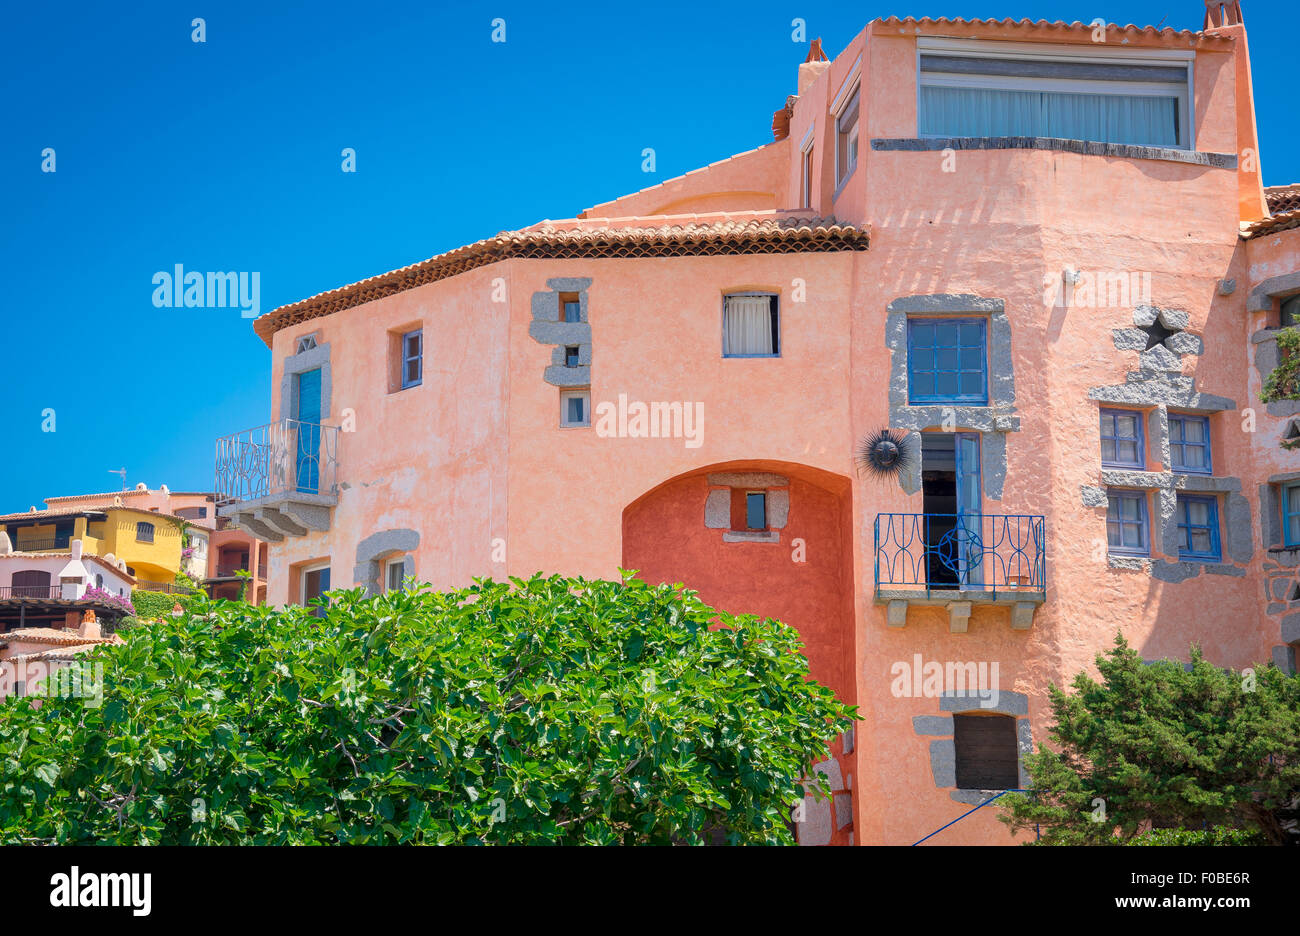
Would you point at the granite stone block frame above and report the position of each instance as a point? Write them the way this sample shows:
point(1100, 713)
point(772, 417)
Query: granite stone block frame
point(374, 550)
point(1159, 385)
point(993, 422)
point(943, 750)
point(547, 328)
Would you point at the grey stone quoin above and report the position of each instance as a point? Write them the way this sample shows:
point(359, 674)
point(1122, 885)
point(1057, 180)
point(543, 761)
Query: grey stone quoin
point(992, 422)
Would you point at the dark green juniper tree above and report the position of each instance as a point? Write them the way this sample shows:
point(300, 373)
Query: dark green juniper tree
point(1163, 753)
point(551, 710)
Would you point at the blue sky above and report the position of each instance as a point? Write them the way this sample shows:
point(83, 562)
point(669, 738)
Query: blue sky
point(225, 155)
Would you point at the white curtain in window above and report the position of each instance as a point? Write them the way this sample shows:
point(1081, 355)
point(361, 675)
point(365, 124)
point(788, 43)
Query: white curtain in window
point(748, 325)
point(1105, 118)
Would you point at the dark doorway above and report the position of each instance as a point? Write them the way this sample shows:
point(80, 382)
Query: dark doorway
point(938, 501)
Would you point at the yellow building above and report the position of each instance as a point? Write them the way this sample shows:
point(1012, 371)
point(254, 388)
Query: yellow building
point(149, 542)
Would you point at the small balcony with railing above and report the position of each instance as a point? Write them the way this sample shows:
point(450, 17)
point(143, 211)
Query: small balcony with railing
point(958, 561)
point(278, 480)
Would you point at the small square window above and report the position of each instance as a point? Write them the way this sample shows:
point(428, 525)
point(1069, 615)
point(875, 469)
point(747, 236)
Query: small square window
point(1122, 441)
point(412, 358)
point(756, 510)
point(305, 343)
point(144, 532)
point(1198, 527)
point(947, 361)
point(575, 406)
point(571, 356)
point(751, 326)
point(1126, 523)
point(1189, 443)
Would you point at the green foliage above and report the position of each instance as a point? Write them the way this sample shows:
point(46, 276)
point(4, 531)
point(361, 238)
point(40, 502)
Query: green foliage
point(152, 604)
point(1215, 835)
point(1284, 382)
point(544, 711)
point(1159, 746)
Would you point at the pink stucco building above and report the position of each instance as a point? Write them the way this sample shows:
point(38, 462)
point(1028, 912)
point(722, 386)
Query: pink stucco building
point(1041, 255)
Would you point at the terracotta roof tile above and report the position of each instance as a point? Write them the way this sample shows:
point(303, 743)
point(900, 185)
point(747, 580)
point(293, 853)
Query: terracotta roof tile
point(722, 233)
point(52, 635)
point(1282, 198)
point(1278, 223)
point(1127, 32)
point(57, 653)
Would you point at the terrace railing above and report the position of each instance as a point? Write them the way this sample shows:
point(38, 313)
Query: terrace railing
point(994, 553)
point(287, 457)
point(31, 591)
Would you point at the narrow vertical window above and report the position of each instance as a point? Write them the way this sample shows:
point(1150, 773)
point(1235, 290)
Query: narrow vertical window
point(846, 139)
point(1122, 441)
point(1189, 443)
point(396, 572)
point(1198, 527)
point(1291, 515)
point(575, 408)
point(1126, 523)
point(412, 358)
point(806, 178)
point(756, 510)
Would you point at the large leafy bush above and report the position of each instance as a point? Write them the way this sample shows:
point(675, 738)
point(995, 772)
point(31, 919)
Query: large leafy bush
point(545, 711)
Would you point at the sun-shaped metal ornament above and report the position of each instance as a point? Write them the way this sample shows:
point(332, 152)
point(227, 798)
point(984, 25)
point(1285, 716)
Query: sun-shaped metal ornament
point(883, 454)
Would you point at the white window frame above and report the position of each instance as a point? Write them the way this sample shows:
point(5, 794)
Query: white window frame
point(806, 154)
point(842, 176)
point(302, 579)
point(389, 564)
point(1043, 52)
point(565, 396)
point(777, 341)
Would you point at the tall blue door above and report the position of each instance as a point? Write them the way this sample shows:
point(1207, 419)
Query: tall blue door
point(307, 472)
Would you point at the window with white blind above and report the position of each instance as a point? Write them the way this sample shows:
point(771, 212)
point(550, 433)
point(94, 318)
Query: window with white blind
point(750, 326)
point(998, 89)
point(846, 139)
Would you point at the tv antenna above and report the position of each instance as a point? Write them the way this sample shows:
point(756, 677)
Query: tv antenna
point(119, 471)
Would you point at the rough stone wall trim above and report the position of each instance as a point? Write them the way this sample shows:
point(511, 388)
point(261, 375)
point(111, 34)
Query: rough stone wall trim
point(372, 550)
point(1261, 297)
point(1084, 147)
point(546, 328)
point(992, 422)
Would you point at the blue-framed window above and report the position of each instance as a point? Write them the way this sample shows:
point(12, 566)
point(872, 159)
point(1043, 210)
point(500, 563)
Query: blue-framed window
point(756, 510)
point(1198, 527)
point(1291, 515)
point(1189, 443)
point(1127, 530)
point(947, 360)
point(1122, 442)
point(412, 358)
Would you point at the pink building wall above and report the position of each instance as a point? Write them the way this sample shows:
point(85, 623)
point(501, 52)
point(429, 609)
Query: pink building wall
point(473, 461)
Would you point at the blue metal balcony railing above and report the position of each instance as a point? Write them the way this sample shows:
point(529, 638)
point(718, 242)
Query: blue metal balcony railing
point(961, 552)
